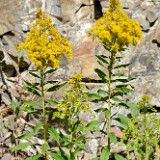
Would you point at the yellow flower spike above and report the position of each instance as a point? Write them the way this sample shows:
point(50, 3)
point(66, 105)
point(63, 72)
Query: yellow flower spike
point(115, 29)
point(74, 100)
point(44, 44)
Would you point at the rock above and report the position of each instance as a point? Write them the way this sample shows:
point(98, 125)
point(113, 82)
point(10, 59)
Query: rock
point(3, 28)
point(84, 13)
point(83, 54)
point(146, 4)
point(153, 13)
point(7, 156)
point(71, 7)
point(53, 8)
point(92, 147)
point(10, 122)
point(141, 18)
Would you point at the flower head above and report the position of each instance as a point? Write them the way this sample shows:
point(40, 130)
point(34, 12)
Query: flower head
point(115, 29)
point(44, 44)
point(74, 100)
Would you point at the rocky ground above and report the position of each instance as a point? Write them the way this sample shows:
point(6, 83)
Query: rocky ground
point(73, 18)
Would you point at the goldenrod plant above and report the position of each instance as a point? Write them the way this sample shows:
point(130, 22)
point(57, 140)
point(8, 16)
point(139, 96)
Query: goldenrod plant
point(44, 45)
point(142, 136)
point(115, 31)
point(69, 108)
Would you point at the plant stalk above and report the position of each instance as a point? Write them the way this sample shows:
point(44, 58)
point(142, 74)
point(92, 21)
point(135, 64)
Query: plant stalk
point(110, 68)
point(44, 110)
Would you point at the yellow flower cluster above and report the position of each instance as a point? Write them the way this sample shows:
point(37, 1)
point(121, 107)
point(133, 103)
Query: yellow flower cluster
point(115, 29)
point(74, 101)
point(44, 44)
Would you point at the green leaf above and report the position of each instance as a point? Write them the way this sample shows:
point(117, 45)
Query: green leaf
point(105, 153)
point(52, 102)
point(15, 107)
point(21, 146)
point(27, 135)
point(102, 75)
point(122, 89)
point(106, 113)
point(100, 63)
point(119, 157)
point(64, 139)
point(32, 85)
point(123, 120)
point(28, 109)
point(102, 59)
point(117, 99)
point(122, 66)
point(112, 137)
point(100, 110)
point(79, 148)
point(101, 91)
point(79, 139)
point(56, 156)
point(63, 154)
point(92, 126)
point(123, 80)
point(50, 82)
point(38, 127)
point(34, 74)
point(32, 90)
point(30, 103)
point(56, 87)
point(45, 147)
point(54, 134)
point(118, 74)
point(35, 157)
point(94, 96)
point(49, 71)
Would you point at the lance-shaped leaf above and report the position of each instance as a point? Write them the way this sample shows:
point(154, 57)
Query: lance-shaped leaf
point(27, 135)
point(79, 148)
point(112, 137)
point(35, 157)
point(30, 103)
point(50, 82)
point(105, 153)
point(28, 109)
point(78, 140)
point(119, 157)
point(92, 126)
point(118, 74)
point(21, 146)
point(123, 120)
point(56, 87)
point(31, 90)
point(102, 59)
point(52, 102)
point(54, 134)
point(49, 71)
point(102, 75)
point(122, 66)
point(94, 96)
point(56, 156)
point(34, 74)
point(15, 107)
point(123, 89)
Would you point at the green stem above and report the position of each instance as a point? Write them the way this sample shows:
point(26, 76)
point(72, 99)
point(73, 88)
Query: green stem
point(110, 68)
point(44, 110)
point(72, 157)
